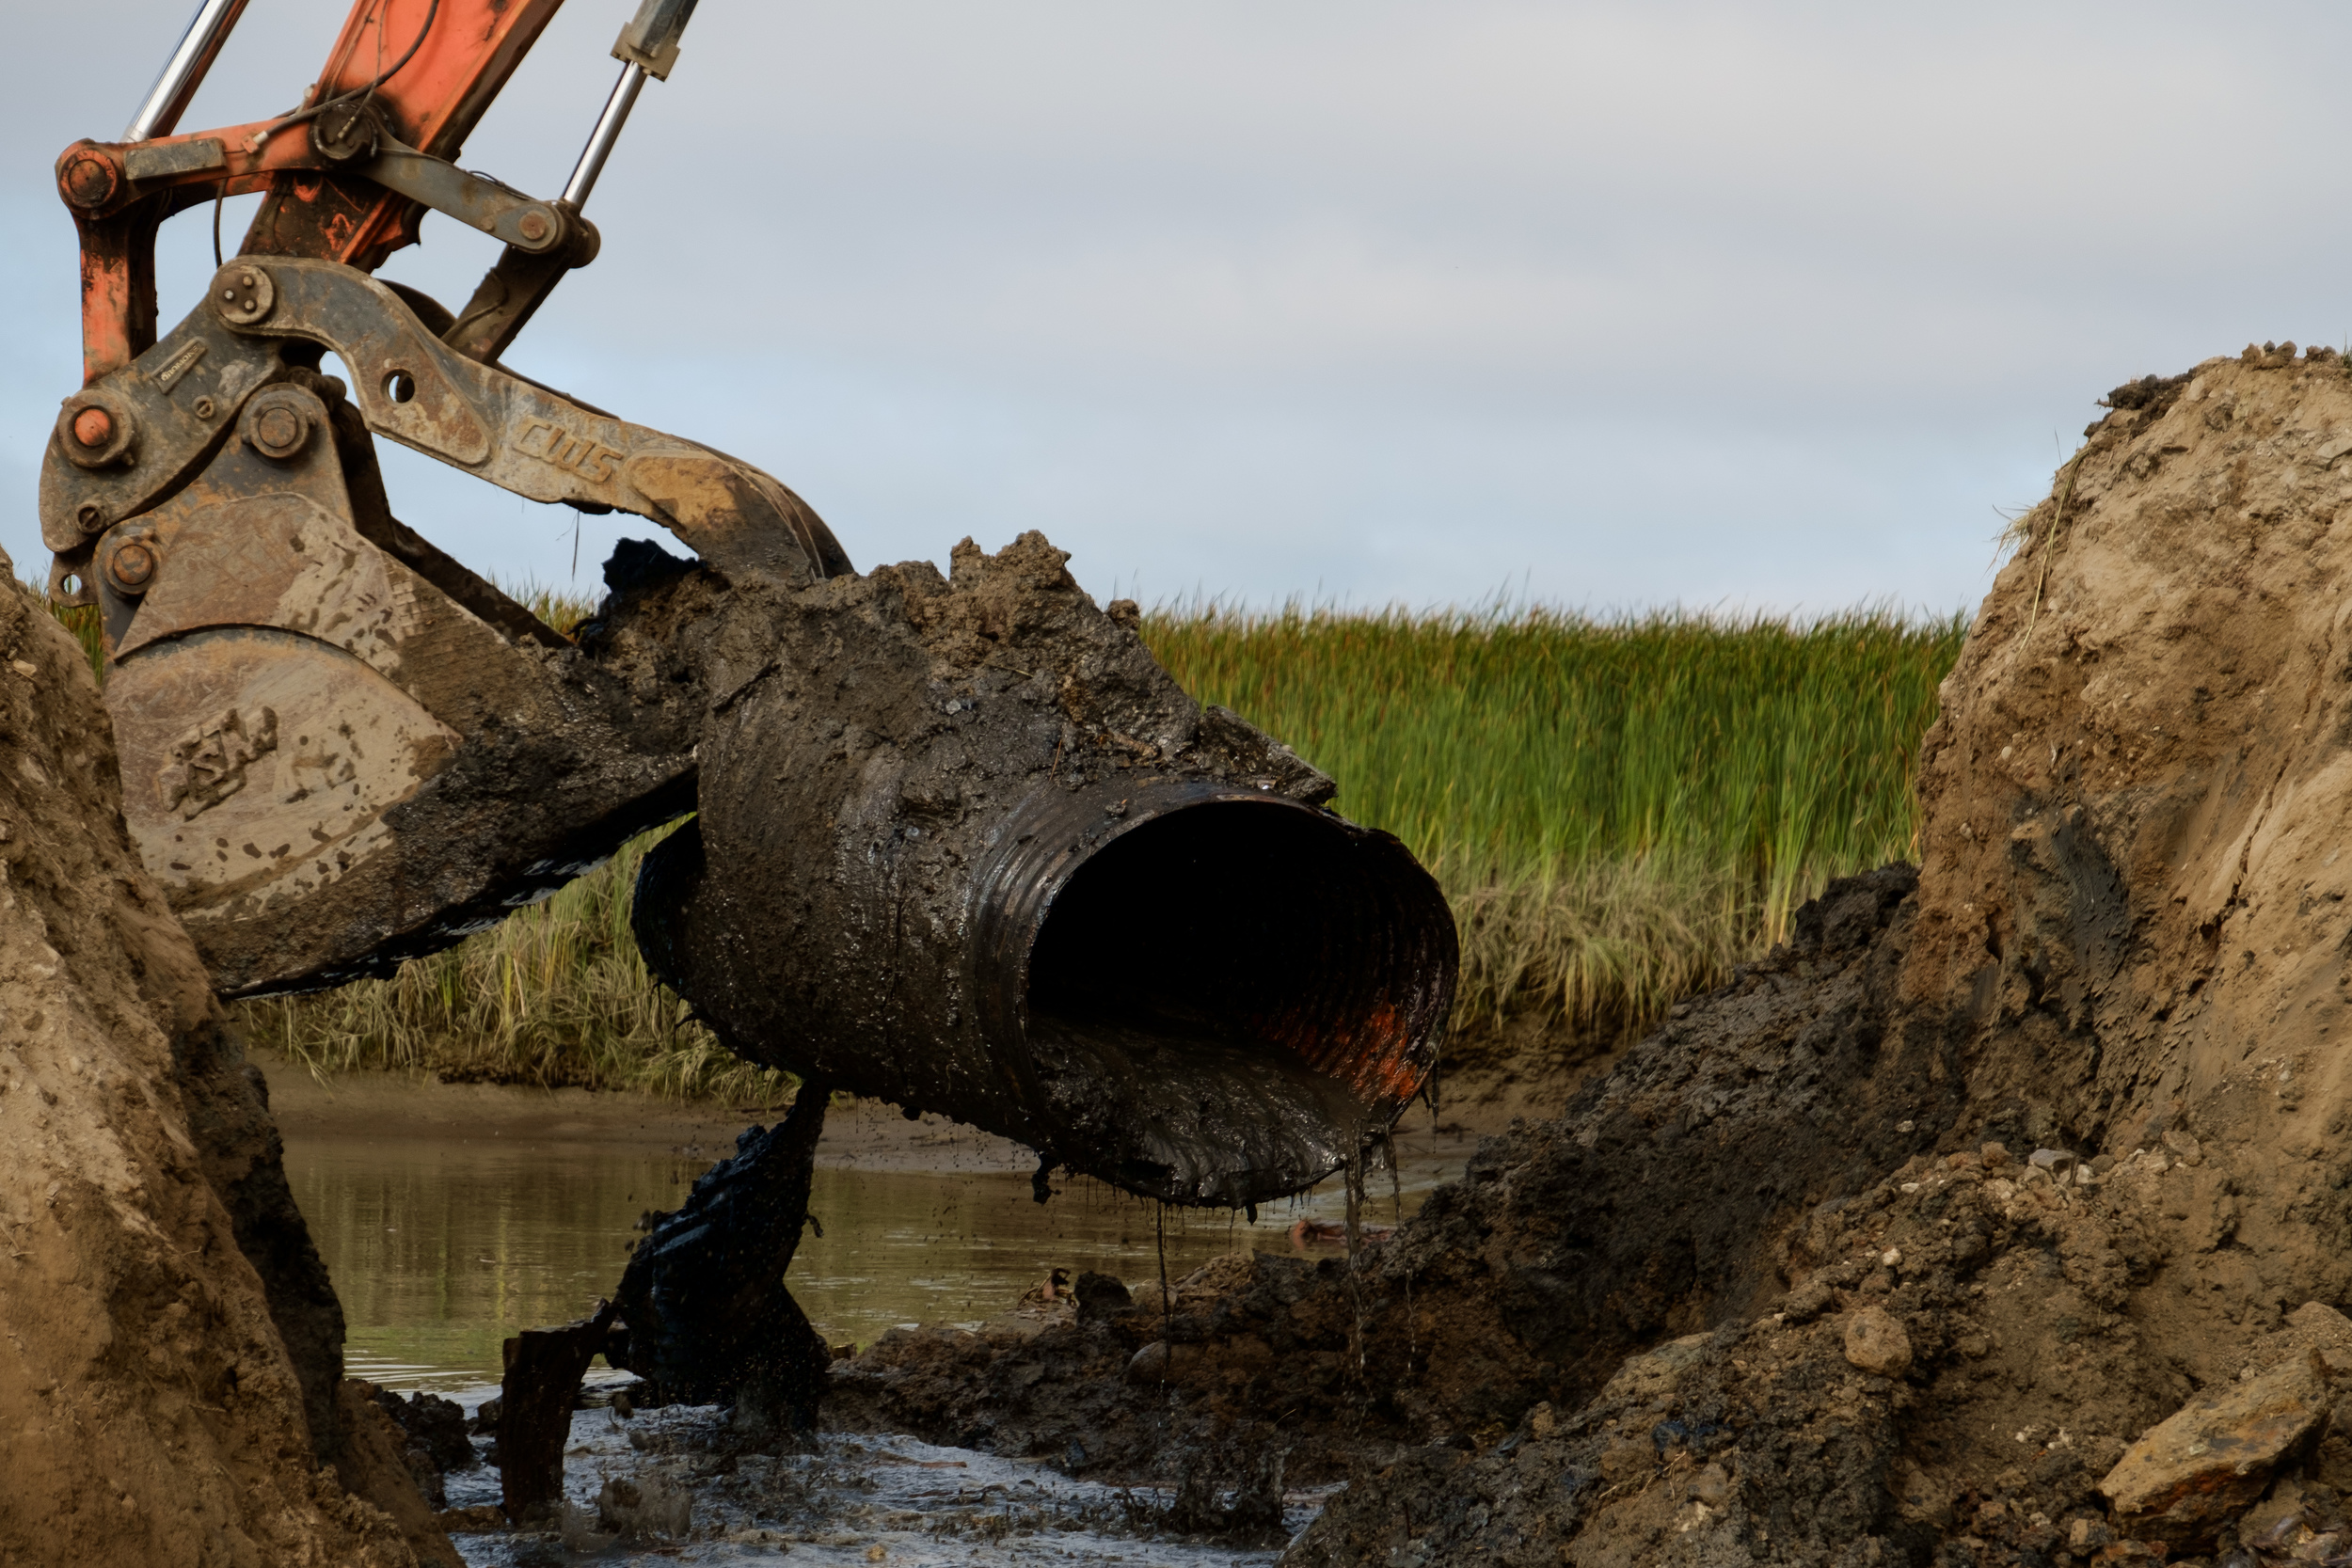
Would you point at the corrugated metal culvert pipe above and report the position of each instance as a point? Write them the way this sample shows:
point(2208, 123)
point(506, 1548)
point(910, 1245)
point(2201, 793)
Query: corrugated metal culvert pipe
point(966, 848)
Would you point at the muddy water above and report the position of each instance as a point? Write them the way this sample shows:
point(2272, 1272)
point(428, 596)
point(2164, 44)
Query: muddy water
point(440, 1246)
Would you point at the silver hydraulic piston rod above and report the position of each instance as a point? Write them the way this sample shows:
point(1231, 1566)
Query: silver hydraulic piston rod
point(608, 130)
point(648, 47)
point(184, 72)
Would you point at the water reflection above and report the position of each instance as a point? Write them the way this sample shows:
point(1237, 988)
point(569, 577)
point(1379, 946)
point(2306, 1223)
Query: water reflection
point(440, 1247)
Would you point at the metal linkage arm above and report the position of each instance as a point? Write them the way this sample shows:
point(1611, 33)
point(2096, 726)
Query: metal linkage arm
point(424, 69)
point(447, 60)
point(122, 445)
point(349, 173)
point(522, 221)
point(518, 435)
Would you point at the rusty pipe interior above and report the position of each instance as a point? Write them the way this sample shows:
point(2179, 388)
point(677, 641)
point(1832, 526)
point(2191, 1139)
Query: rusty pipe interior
point(1224, 994)
point(1217, 998)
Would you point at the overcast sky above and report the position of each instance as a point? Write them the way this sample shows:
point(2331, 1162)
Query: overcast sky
point(1768, 306)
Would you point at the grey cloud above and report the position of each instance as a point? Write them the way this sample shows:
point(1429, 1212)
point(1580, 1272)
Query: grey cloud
point(1769, 304)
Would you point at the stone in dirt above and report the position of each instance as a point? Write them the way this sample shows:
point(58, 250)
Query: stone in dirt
point(1876, 1343)
point(170, 1350)
point(2213, 1458)
point(644, 1505)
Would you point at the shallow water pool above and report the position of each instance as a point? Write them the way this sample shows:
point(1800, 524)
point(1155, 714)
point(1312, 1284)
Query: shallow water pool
point(441, 1246)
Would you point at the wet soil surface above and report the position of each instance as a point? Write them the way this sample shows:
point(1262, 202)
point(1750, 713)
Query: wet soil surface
point(702, 1484)
point(1565, 1246)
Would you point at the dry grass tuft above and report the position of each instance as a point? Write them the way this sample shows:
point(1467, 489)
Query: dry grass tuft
point(1602, 949)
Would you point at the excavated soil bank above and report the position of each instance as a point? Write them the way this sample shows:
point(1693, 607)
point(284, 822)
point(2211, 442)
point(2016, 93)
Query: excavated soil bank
point(170, 1350)
point(2000, 1217)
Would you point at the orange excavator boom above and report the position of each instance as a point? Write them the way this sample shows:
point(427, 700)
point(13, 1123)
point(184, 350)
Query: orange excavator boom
point(350, 171)
point(340, 746)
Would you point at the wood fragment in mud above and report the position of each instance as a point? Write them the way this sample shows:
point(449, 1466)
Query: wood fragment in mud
point(544, 1367)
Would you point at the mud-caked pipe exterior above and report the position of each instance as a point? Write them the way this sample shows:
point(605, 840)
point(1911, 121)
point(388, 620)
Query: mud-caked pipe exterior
point(964, 847)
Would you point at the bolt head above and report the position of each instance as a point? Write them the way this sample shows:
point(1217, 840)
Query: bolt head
point(92, 436)
point(89, 517)
point(89, 180)
point(246, 295)
point(131, 565)
point(204, 408)
point(278, 431)
point(533, 225)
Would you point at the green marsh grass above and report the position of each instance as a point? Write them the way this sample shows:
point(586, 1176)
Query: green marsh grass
point(1619, 811)
point(81, 621)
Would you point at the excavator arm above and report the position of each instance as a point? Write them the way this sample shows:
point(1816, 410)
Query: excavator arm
point(921, 804)
point(416, 74)
point(339, 747)
point(349, 173)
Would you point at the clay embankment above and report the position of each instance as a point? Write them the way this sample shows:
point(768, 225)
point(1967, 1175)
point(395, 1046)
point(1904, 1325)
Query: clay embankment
point(1999, 1219)
point(170, 1350)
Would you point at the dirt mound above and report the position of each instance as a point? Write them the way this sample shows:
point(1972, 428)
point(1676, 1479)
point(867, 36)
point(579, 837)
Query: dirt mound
point(1963, 1364)
point(2001, 1218)
point(1094, 1388)
point(2135, 801)
point(171, 1352)
point(2128, 945)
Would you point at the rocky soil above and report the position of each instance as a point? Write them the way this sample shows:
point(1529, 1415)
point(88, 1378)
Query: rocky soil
point(2001, 1217)
point(170, 1350)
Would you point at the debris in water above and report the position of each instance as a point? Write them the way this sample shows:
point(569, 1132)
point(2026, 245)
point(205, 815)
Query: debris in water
point(704, 1313)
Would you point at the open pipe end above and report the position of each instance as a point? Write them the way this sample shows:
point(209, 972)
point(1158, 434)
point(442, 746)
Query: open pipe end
point(1218, 996)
